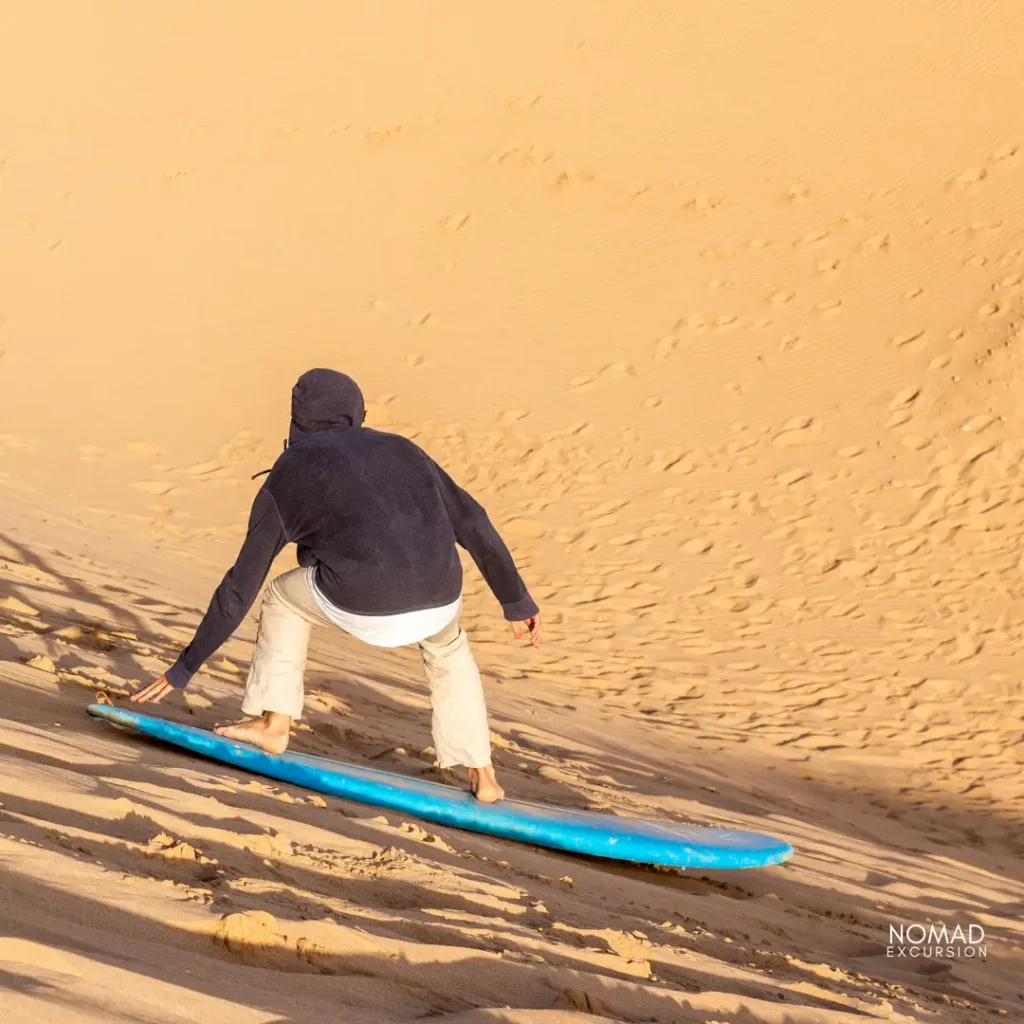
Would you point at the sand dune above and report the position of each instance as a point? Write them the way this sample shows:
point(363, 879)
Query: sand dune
point(716, 309)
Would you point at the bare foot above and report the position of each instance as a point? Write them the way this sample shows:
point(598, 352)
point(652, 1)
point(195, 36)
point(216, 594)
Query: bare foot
point(269, 733)
point(484, 786)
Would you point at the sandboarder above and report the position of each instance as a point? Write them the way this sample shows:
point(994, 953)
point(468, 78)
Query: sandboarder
point(376, 522)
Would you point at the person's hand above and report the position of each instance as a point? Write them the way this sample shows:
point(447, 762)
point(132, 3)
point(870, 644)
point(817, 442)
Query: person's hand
point(155, 692)
point(531, 626)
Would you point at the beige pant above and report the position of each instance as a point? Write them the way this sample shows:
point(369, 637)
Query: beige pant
point(275, 680)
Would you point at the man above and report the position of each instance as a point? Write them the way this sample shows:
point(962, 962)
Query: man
point(375, 521)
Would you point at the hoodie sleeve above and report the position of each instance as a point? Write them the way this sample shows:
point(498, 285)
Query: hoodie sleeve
point(476, 533)
point(234, 597)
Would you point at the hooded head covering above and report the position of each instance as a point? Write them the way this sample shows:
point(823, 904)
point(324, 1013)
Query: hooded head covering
point(324, 399)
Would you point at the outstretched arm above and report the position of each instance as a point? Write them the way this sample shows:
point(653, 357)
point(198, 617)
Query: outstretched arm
point(476, 533)
point(232, 599)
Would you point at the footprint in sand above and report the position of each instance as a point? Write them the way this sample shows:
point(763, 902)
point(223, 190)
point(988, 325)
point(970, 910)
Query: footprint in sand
point(524, 103)
point(605, 508)
point(672, 460)
point(514, 415)
point(528, 529)
point(812, 237)
point(243, 447)
point(454, 222)
point(915, 442)
point(704, 202)
point(912, 341)
point(976, 424)
point(380, 135)
point(697, 546)
point(905, 398)
point(571, 176)
point(964, 647)
point(795, 433)
point(876, 243)
point(792, 477)
point(970, 178)
point(526, 155)
point(619, 370)
point(152, 486)
point(19, 443)
point(146, 448)
point(204, 469)
point(716, 252)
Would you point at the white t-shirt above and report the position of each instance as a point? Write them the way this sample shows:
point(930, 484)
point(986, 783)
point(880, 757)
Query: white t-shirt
point(386, 630)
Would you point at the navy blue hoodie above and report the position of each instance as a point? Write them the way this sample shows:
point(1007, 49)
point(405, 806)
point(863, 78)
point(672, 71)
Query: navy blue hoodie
point(373, 512)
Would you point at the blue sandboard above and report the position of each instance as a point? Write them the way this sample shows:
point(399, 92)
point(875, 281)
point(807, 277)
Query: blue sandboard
point(560, 828)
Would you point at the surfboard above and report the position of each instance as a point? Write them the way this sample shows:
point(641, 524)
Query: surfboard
point(559, 828)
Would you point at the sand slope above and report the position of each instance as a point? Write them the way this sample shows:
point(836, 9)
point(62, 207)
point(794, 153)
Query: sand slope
point(717, 310)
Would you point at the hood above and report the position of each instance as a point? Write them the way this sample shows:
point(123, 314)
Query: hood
point(324, 399)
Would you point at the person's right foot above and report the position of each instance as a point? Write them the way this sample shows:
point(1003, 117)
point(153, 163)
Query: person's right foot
point(269, 734)
point(484, 786)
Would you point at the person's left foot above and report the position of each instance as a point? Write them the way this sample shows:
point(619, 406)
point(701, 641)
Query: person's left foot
point(484, 786)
